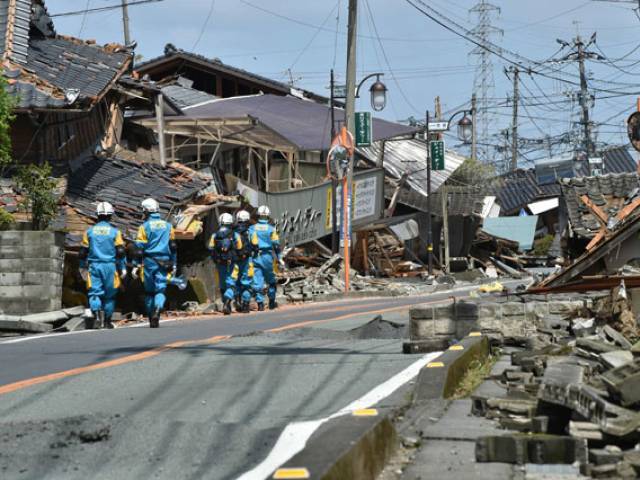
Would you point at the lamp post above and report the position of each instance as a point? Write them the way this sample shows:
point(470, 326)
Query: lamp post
point(465, 134)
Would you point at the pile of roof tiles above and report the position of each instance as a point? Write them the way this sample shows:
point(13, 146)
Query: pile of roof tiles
point(125, 184)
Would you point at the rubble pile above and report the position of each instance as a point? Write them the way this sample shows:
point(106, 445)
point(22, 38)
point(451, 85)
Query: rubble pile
point(305, 284)
point(571, 393)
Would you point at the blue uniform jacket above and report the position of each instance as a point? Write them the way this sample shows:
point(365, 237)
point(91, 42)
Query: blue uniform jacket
point(266, 237)
point(156, 238)
point(101, 242)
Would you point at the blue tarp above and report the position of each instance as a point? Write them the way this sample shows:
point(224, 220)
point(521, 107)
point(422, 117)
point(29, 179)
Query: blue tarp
point(518, 229)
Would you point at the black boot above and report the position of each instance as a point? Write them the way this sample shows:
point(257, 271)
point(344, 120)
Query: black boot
point(261, 307)
point(226, 309)
point(273, 304)
point(108, 324)
point(246, 308)
point(154, 320)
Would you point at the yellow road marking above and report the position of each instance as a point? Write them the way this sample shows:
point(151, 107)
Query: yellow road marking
point(288, 473)
point(365, 412)
point(435, 365)
point(456, 347)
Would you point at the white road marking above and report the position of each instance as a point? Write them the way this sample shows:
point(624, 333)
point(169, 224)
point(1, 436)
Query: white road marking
point(295, 435)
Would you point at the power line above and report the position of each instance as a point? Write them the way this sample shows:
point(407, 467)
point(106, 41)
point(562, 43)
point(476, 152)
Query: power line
point(386, 59)
point(102, 9)
point(204, 25)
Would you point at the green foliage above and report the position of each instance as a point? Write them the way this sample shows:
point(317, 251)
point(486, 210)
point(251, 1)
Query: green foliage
point(472, 172)
point(541, 246)
point(7, 104)
point(38, 188)
point(6, 219)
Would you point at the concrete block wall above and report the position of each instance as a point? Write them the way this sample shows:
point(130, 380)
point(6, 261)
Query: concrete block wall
point(458, 319)
point(31, 270)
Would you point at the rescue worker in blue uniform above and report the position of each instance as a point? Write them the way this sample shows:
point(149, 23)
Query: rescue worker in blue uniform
point(156, 244)
point(103, 265)
point(224, 244)
point(265, 236)
point(244, 261)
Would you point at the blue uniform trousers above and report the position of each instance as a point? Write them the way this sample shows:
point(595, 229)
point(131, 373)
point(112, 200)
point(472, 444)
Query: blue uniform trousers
point(244, 282)
point(103, 284)
point(226, 280)
point(154, 278)
point(264, 277)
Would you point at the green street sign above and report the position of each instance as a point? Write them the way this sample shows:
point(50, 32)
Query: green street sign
point(437, 155)
point(363, 129)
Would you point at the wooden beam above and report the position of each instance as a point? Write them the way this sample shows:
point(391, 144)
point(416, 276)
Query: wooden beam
point(159, 104)
point(597, 211)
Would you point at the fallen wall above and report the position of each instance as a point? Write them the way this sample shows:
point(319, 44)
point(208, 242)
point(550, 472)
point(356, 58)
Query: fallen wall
point(510, 318)
point(31, 267)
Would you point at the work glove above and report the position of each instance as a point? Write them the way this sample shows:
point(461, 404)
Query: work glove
point(174, 270)
point(84, 273)
point(123, 274)
point(282, 265)
point(134, 273)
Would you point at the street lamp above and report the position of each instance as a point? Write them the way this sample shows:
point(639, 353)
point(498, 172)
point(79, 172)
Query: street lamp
point(465, 129)
point(378, 92)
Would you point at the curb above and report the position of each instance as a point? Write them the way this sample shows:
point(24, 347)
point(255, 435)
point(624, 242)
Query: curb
point(441, 376)
point(356, 446)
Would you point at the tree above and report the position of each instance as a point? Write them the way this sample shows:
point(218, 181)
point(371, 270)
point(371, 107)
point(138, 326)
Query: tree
point(472, 172)
point(7, 104)
point(38, 189)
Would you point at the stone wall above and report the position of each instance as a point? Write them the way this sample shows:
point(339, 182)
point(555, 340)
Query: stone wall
point(511, 318)
point(31, 267)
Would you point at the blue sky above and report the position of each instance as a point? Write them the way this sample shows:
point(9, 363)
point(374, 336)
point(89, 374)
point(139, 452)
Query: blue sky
point(426, 60)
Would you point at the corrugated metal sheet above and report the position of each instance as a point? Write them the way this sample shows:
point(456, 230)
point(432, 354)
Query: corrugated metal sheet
point(401, 156)
point(518, 229)
point(184, 97)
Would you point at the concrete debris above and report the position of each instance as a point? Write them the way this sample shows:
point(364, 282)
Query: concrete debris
point(573, 382)
point(65, 320)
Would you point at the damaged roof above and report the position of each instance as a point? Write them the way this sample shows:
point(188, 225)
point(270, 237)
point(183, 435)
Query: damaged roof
point(47, 70)
point(173, 54)
point(125, 184)
point(608, 192)
point(184, 97)
point(517, 189)
point(409, 156)
point(273, 120)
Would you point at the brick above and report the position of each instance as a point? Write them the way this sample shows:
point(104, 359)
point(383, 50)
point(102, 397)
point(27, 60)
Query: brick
point(10, 279)
point(11, 292)
point(42, 278)
point(11, 238)
point(510, 309)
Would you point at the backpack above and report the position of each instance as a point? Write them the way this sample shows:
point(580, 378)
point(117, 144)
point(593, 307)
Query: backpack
point(247, 249)
point(223, 249)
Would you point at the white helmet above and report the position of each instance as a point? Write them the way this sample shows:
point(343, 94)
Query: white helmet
point(263, 211)
point(225, 219)
point(104, 209)
point(243, 216)
point(149, 205)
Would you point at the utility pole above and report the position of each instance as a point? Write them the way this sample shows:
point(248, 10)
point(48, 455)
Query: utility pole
point(584, 97)
point(125, 22)
point(474, 128)
point(429, 232)
point(349, 113)
point(514, 125)
point(445, 199)
point(335, 247)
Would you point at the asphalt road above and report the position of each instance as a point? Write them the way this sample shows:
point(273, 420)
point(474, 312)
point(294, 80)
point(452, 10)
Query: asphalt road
point(186, 401)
